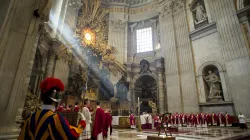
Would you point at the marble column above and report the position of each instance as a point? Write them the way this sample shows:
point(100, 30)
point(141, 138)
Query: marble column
point(161, 95)
point(49, 72)
point(18, 43)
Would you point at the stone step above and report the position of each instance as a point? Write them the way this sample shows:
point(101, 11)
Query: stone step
point(248, 123)
point(9, 137)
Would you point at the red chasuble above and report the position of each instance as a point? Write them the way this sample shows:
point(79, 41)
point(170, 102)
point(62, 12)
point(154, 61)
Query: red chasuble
point(132, 119)
point(228, 119)
point(107, 124)
point(77, 108)
point(60, 109)
point(99, 122)
point(208, 118)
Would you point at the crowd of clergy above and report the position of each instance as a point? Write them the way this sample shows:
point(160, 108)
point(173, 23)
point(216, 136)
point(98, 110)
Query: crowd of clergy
point(98, 121)
point(149, 121)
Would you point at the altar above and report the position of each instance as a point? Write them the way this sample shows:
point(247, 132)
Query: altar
point(122, 121)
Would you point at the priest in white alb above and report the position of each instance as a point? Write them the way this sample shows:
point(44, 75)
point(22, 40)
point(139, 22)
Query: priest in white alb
point(87, 115)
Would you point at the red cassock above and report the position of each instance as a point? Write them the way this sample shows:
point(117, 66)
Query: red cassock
point(203, 119)
point(77, 108)
point(222, 118)
point(228, 119)
point(192, 119)
point(166, 119)
point(198, 119)
point(170, 119)
point(180, 119)
point(176, 118)
point(60, 109)
point(99, 122)
point(173, 119)
point(132, 119)
point(107, 123)
point(156, 122)
point(68, 110)
point(214, 116)
point(208, 118)
point(186, 119)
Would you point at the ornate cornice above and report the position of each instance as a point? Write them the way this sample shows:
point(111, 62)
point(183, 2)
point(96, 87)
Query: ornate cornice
point(118, 25)
point(170, 7)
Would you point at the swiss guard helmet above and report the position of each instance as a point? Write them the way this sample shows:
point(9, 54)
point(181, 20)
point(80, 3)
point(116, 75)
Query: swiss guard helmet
point(50, 88)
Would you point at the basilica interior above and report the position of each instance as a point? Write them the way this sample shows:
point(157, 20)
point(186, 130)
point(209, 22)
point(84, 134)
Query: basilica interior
point(133, 56)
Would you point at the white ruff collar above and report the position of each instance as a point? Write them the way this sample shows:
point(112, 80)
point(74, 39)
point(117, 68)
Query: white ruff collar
point(48, 107)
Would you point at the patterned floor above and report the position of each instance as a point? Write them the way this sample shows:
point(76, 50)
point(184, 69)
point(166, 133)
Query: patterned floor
point(191, 134)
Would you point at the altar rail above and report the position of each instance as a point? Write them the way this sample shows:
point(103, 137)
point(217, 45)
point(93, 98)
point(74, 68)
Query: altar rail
point(123, 121)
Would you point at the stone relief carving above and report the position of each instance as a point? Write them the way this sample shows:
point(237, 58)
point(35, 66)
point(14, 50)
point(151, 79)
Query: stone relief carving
point(118, 25)
point(214, 84)
point(145, 66)
point(199, 12)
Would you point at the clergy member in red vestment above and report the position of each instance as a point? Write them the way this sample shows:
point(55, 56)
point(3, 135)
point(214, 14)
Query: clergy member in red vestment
point(186, 119)
point(203, 120)
point(181, 116)
point(221, 120)
point(228, 120)
point(98, 123)
point(176, 118)
point(198, 120)
point(156, 121)
point(208, 119)
point(192, 120)
point(68, 108)
point(172, 119)
point(60, 108)
point(214, 119)
point(107, 125)
point(76, 108)
point(132, 120)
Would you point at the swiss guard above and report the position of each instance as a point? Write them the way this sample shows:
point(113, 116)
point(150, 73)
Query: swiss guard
point(46, 124)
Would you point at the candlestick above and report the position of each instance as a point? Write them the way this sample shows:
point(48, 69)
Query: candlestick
point(139, 118)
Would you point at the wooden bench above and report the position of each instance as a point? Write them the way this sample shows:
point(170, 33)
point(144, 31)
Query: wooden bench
point(71, 117)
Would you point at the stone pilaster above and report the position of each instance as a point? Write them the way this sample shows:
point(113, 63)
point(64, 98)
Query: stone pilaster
point(234, 52)
point(234, 46)
point(161, 96)
point(118, 37)
point(49, 72)
point(180, 74)
point(168, 44)
point(18, 44)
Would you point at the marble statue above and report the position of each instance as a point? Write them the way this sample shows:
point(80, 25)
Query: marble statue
point(214, 84)
point(145, 66)
point(200, 13)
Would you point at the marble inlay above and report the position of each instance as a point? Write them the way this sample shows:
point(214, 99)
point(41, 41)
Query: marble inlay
point(189, 134)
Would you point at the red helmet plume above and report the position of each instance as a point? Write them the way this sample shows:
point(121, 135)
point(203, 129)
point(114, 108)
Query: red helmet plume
point(49, 83)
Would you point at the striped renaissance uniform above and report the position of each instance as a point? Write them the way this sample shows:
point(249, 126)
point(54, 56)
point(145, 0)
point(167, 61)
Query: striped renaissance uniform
point(47, 125)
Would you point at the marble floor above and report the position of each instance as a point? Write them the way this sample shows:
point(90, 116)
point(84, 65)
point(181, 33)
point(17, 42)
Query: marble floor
point(186, 134)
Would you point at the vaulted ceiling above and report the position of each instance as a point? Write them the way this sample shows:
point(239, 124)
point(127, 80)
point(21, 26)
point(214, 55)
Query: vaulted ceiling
point(133, 2)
